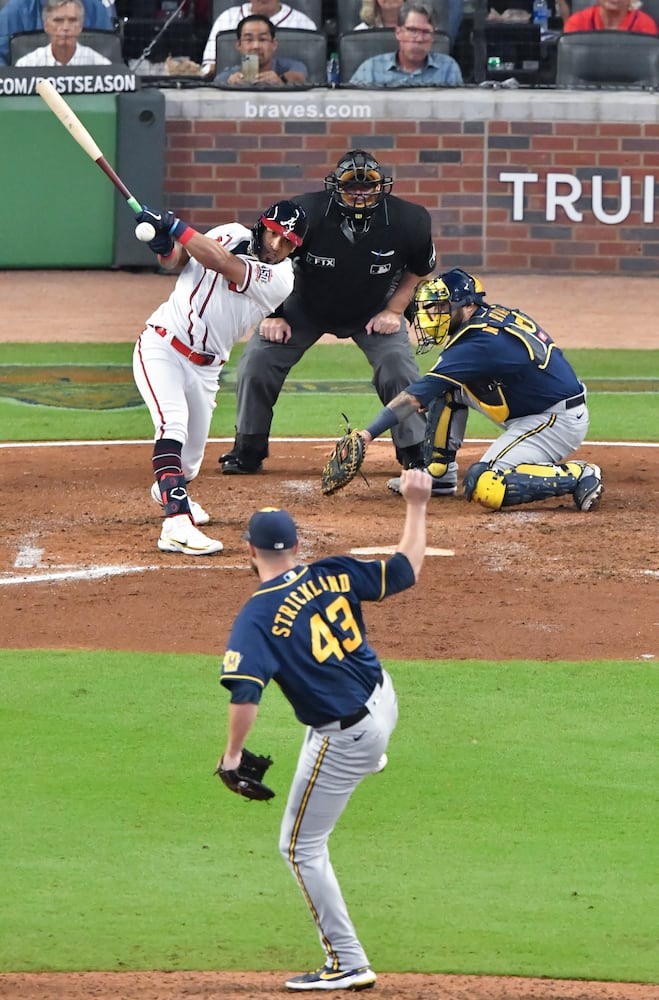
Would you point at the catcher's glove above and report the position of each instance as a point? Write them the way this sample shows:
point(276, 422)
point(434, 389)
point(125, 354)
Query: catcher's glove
point(345, 461)
point(247, 778)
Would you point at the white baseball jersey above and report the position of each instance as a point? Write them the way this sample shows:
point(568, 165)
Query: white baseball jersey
point(229, 19)
point(210, 314)
point(83, 56)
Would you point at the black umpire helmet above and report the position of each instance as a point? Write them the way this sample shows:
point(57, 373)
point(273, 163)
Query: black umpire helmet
point(358, 184)
point(284, 217)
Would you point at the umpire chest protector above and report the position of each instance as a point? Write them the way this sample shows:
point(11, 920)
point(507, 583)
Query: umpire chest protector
point(339, 276)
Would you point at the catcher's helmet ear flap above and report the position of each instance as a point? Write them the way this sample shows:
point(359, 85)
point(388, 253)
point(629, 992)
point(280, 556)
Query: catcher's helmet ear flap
point(358, 184)
point(284, 217)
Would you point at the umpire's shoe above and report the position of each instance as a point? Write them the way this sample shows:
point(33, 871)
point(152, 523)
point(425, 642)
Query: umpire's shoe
point(234, 466)
point(589, 488)
point(442, 486)
point(327, 979)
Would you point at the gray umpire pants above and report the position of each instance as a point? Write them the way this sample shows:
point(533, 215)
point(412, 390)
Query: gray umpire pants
point(263, 368)
point(332, 762)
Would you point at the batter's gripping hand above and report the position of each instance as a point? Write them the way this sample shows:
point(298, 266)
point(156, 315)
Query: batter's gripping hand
point(345, 461)
point(247, 778)
point(164, 223)
point(162, 244)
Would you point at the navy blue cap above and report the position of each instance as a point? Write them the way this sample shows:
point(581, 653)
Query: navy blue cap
point(271, 528)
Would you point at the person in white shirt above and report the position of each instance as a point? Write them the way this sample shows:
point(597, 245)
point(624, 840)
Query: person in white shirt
point(280, 14)
point(62, 22)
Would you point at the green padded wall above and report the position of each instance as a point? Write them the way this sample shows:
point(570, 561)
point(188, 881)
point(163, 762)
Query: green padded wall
point(58, 208)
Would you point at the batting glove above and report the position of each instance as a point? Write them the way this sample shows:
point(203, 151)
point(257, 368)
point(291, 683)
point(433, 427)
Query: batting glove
point(158, 220)
point(162, 244)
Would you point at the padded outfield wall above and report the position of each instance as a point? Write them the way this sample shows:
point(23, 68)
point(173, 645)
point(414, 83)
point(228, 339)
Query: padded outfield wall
point(515, 180)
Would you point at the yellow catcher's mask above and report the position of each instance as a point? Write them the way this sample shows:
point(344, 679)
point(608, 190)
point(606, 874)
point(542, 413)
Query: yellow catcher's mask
point(434, 302)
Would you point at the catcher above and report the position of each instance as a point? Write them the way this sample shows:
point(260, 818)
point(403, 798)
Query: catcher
point(304, 629)
point(499, 361)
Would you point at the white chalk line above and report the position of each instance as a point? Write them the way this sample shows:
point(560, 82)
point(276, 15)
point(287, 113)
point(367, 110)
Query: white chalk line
point(285, 440)
point(99, 572)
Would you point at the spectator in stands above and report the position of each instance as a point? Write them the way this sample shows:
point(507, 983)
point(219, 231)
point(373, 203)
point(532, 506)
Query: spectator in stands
point(62, 22)
point(26, 15)
point(612, 15)
point(379, 14)
point(280, 14)
point(256, 35)
point(384, 14)
point(412, 64)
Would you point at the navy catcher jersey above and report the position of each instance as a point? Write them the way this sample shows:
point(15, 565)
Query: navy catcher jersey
point(505, 362)
point(305, 630)
point(343, 283)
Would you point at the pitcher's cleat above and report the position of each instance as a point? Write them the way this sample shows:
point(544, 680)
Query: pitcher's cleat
point(179, 534)
point(198, 513)
point(589, 488)
point(327, 979)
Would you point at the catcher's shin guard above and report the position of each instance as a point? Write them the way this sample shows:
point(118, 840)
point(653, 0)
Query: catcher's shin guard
point(495, 488)
point(446, 424)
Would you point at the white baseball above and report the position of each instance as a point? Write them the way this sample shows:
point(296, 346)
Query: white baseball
point(145, 231)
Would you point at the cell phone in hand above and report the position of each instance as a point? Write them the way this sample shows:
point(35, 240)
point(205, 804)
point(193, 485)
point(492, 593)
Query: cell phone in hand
point(249, 67)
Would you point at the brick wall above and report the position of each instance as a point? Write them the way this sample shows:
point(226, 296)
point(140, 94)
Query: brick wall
point(560, 196)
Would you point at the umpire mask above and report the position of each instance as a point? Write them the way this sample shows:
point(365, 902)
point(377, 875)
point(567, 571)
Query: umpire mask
point(358, 185)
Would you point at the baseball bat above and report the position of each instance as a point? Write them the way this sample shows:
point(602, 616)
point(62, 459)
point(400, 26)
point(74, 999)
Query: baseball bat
point(77, 131)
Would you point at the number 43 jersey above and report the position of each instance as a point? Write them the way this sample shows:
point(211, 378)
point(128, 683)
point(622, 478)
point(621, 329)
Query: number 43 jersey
point(305, 630)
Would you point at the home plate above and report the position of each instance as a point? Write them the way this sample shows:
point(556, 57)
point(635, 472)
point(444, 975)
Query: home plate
point(388, 550)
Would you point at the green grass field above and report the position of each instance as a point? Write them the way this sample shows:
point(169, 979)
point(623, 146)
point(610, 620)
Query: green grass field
point(329, 380)
point(513, 833)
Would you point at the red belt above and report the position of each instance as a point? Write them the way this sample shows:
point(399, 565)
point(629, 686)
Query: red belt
point(196, 357)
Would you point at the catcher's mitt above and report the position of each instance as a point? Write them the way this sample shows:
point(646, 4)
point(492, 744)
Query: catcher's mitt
point(345, 461)
point(247, 778)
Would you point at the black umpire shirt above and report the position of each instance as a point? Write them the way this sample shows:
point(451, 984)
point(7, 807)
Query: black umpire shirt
point(340, 283)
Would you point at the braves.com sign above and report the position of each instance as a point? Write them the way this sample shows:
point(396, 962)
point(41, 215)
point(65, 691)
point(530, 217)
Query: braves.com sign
point(564, 192)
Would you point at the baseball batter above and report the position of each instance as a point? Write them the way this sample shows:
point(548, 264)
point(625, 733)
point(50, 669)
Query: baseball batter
point(499, 361)
point(231, 278)
point(355, 273)
point(303, 627)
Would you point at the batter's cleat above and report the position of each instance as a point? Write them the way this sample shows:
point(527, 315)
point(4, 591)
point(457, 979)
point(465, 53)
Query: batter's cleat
point(442, 486)
point(589, 488)
point(381, 764)
point(233, 466)
point(327, 979)
point(180, 535)
point(198, 513)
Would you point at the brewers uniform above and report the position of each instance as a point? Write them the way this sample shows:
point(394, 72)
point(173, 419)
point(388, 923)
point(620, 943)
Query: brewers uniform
point(501, 362)
point(304, 629)
point(348, 269)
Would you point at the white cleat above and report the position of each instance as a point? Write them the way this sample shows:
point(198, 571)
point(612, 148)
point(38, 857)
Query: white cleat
point(198, 513)
point(179, 534)
point(381, 764)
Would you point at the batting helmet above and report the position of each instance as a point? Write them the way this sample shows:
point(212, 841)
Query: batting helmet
point(358, 184)
point(432, 325)
point(284, 217)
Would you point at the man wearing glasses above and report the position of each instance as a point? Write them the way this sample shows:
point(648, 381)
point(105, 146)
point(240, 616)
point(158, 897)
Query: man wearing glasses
point(413, 64)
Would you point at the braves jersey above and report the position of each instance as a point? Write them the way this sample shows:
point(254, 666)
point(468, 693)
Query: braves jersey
point(344, 283)
point(305, 630)
point(209, 313)
point(505, 363)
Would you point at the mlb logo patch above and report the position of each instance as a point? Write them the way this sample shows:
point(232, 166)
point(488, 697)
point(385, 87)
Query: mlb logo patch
point(380, 268)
